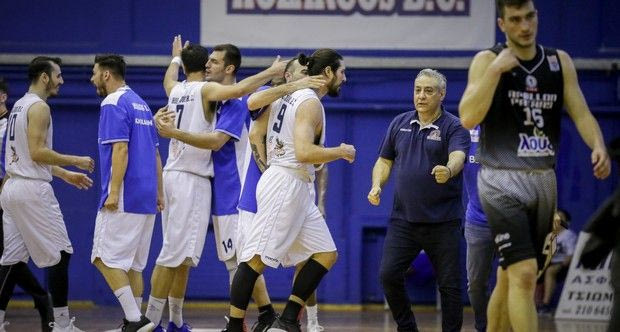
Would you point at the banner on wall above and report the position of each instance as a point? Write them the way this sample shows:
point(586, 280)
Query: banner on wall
point(350, 24)
point(587, 294)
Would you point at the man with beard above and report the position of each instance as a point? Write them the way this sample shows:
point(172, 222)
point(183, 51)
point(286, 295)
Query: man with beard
point(189, 120)
point(20, 274)
point(288, 227)
point(131, 188)
point(516, 92)
point(33, 223)
point(427, 148)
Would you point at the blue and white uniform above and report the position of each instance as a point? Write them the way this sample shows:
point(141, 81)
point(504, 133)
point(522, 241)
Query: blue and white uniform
point(33, 223)
point(123, 237)
point(232, 119)
point(187, 181)
point(288, 227)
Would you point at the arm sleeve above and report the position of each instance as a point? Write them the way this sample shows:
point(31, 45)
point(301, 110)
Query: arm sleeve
point(115, 125)
point(231, 118)
point(387, 149)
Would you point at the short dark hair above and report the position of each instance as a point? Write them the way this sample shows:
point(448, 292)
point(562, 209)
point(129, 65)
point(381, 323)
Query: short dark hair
point(321, 59)
point(4, 87)
point(232, 55)
point(194, 58)
point(113, 62)
point(290, 62)
point(40, 65)
point(501, 4)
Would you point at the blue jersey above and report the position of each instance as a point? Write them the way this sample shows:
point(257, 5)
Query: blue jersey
point(232, 119)
point(247, 201)
point(125, 117)
point(474, 213)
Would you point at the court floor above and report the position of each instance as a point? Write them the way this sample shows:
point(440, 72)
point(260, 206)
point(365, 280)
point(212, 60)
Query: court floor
point(209, 317)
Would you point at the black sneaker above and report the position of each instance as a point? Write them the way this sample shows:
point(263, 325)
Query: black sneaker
point(144, 325)
point(263, 324)
point(280, 325)
point(227, 329)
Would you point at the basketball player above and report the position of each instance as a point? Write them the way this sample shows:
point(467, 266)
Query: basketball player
point(20, 274)
point(33, 223)
point(516, 92)
point(259, 103)
point(288, 227)
point(189, 121)
point(131, 188)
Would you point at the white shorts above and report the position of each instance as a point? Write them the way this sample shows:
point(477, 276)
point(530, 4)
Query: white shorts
point(245, 225)
point(225, 229)
point(122, 240)
point(288, 227)
point(185, 218)
point(33, 224)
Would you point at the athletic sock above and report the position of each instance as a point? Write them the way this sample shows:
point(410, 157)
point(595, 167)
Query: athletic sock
point(128, 303)
point(139, 302)
point(175, 306)
point(312, 313)
point(61, 316)
point(266, 313)
point(155, 309)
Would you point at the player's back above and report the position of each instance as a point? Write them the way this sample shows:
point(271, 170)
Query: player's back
point(281, 131)
point(186, 100)
point(16, 152)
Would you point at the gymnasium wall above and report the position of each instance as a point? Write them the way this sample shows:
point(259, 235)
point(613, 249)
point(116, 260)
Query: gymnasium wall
point(370, 99)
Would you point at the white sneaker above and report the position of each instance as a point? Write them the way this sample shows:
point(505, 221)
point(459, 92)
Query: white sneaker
point(3, 326)
point(314, 327)
point(70, 328)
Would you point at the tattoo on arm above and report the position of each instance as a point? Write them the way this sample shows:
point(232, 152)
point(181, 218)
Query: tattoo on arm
point(259, 162)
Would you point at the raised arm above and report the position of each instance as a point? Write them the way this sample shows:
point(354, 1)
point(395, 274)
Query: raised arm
point(171, 78)
point(380, 174)
point(585, 122)
point(215, 92)
point(38, 123)
point(484, 74)
point(308, 117)
point(265, 97)
point(257, 136)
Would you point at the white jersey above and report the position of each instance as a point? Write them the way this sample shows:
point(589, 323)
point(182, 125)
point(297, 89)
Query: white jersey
point(186, 100)
point(17, 159)
point(281, 129)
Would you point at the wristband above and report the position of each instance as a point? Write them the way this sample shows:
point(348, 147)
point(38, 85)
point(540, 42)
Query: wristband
point(177, 60)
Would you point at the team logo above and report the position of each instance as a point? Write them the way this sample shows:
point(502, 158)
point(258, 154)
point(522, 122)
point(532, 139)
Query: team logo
point(554, 64)
point(14, 156)
point(534, 146)
point(549, 249)
point(531, 83)
point(279, 148)
point(435, 135)
point(177, 148)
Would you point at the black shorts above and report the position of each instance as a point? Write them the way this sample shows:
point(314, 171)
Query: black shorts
point(519, 206)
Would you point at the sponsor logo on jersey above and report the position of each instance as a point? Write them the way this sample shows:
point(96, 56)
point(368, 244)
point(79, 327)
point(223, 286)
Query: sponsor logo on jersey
point(554, 64)
point(140, 107)
point(531, 83)
point(279, 148)
point(408, 130)
point(144, 122)
point(14, 156)
point(534, 146)
point(435, 135)
point(474, 135)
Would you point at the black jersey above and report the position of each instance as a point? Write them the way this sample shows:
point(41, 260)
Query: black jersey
point(522, 128)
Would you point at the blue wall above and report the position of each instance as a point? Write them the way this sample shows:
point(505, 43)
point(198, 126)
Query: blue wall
point(370, 99)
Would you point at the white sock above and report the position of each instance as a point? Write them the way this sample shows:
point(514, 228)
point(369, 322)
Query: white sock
point(176, 310)
point(128, 303)
point(155, 309)
point(61, 316)
point(312, 314)
point(2, 313)
point(139, 302)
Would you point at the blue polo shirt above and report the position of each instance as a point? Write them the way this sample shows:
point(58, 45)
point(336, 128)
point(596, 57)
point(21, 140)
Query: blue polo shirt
point(415, 151)
point(474, 213)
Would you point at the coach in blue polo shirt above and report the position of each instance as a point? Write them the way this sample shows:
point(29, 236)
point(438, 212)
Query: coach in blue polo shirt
point(427, 149)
